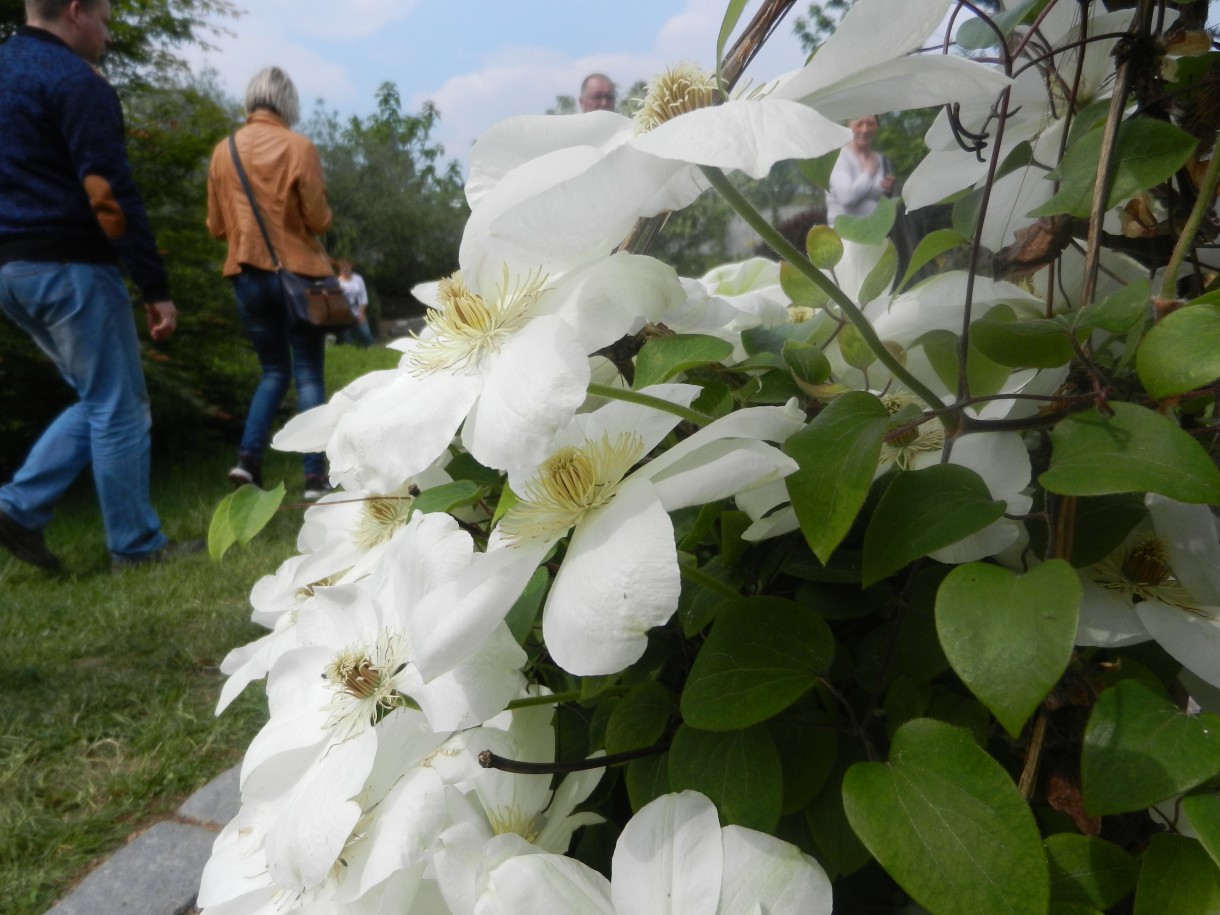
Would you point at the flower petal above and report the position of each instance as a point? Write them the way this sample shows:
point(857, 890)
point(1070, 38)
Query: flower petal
point(1192, 638)
point(515, 141)
point(669, 859)
point(748, 135)
point(618, 580)
point(532, 884)
point(533, 387)
point(762, 870)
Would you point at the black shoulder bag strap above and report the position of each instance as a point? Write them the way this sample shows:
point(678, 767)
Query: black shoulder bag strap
point(258, 216)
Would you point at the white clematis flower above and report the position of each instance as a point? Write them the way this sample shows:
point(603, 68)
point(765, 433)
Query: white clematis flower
point(504, 357)
point(619, 577)
point(673, 858)
point(563, 189)
point(1163, 583)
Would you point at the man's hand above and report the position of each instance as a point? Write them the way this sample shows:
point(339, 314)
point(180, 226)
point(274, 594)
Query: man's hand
point(887, 184)
point(162, 319)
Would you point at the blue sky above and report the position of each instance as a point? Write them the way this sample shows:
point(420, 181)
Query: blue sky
point(478, 60)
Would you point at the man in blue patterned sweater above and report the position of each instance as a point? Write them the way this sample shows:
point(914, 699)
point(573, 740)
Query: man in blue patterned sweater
point(70, 215)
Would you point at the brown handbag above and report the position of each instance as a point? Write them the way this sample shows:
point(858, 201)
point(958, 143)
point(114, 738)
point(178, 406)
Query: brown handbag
point(315, 300)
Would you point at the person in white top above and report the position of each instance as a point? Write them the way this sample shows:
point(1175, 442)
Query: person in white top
point(358, 301)
point(861, 175)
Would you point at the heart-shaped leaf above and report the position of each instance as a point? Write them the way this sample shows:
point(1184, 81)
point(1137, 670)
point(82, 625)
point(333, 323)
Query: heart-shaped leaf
point(1203, 811)
point(1178, 876)
point(1089, 871)
point(1135, 450)
point(762, 655)
point(1139, 749)
point(1180, 353)
point(1009, 636)
point(240, 515)
point(739, 771)
point(947, 822)
point(837, 453)
point(640, 718)
point(925, 510)
point(664, 357)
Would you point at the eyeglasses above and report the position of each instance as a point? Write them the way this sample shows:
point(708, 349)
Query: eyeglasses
point(600, 97)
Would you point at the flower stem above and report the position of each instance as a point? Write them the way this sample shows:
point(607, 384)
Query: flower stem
point(648, 400)
point(788, 252)
point(692, 574)
point(490, 760)
point(549, 699)
point(1207, 194)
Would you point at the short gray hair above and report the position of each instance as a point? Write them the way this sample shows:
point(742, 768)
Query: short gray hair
point(271, 88)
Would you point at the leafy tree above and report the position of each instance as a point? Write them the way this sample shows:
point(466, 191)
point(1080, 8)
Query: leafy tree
point(145, 33)
point(398, 205)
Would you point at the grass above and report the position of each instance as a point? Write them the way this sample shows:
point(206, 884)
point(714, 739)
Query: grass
point(109, 681)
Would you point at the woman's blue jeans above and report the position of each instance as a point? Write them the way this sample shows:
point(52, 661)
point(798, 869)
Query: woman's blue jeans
point(285, 354)
point(80, 315)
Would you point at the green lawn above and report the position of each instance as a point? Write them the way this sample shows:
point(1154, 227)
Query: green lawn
point(109, 681)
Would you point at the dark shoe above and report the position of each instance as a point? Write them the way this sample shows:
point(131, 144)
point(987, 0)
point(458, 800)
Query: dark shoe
point(27, 545)
point(316, 487)
point(247, 470)
point(168, 553)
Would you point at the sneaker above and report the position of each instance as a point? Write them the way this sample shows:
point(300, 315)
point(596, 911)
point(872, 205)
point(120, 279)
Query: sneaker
point(247, 470)
point(27, 545)
point(171, 551)
point(316, 487)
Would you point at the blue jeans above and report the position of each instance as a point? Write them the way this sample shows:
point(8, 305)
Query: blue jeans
point(80, 315)
point(284, 353)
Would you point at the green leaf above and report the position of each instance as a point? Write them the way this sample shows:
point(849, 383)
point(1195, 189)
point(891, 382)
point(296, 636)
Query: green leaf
point(524, 612)
point(1147, 151)
point(975, 35)
point(1181, 353)
point(1203, 811)
point(817, 171)
point(1009, 636)
point(664, 357)
point(946, 821)
point(1099, 525)
point(762, 655)
point(806, 362)
point(985, 376)
point(738, 770)
point(731, 16)
point(839, 849)
point(799, 288)
point(1177, 877)
point(881, 276)
point(771, 339)
point(871, 229)
point(837, 455)
point(932, 246)
point(1119, 311)
point(1089, 871)
point(824, 247)
point(922, 511)
point(647, 779)
point(240, 515)
point(1139, 749)
point(640, 718)
point(1036, 343)
point(448, 496)
point(808, 748)
point(1135, 450)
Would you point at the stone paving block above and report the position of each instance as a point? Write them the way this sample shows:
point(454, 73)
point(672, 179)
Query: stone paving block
point(217, 801)
point(157, 874)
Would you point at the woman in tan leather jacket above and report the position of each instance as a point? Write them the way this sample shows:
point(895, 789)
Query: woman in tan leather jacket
point(285, 175)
